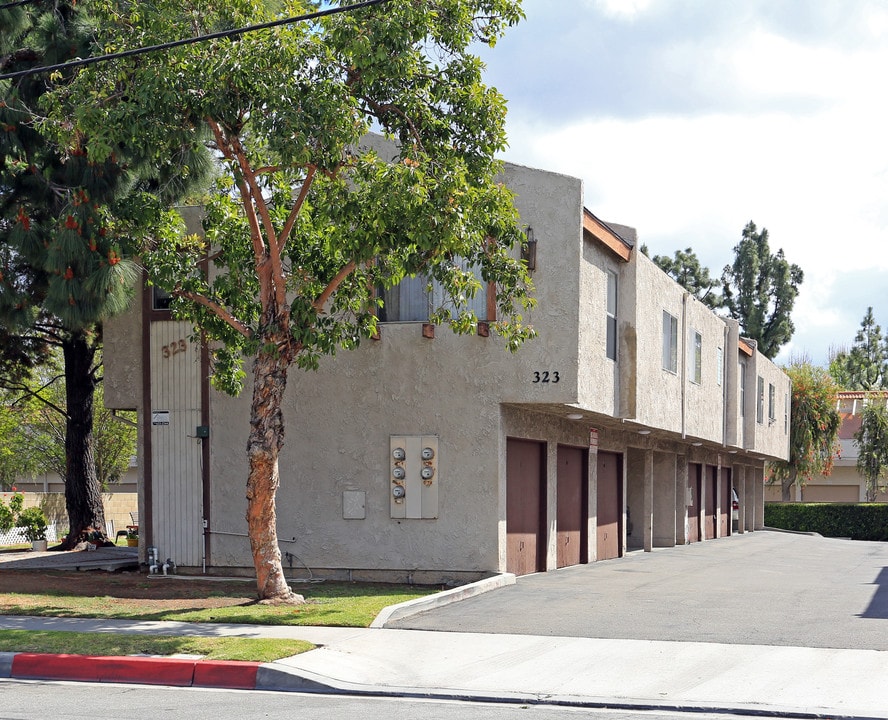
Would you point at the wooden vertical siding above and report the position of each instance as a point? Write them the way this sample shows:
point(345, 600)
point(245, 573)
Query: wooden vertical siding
point(176, 452)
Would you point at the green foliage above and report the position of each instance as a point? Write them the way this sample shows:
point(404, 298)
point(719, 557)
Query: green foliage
point(865, 366)
point(813, 427)
point(33, 521)
point(759, 291)
point(857, 521)
point(872, 445)
point(304, 208)
point(33, 430)
point(9, 512)
point(686, 270)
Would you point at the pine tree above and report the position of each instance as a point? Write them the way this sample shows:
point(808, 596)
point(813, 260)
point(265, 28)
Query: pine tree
point(865, 365)
point(759, 291)
point(63, 240)
point(686, 270)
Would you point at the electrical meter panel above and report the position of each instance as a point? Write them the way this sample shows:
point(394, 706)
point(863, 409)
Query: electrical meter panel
point(413, 476)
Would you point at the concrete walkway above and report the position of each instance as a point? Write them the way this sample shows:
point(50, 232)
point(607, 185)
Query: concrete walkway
point(791, 681)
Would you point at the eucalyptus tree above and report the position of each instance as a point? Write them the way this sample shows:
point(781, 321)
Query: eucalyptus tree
point(307, 220)
point(759, 290)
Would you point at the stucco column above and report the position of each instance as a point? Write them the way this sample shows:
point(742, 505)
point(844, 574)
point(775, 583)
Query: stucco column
point(648, 502)
point(740, 487)
point(759, 498)
point(592, 506)
point(681, 500)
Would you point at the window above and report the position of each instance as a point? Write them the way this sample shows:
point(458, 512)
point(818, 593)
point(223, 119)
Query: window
point(741, 371)
point(760, 408)
point(611, 315)
point(719, 366)
point(772, 402)
point(160, 299)
point(670, 342)
point(411, 301)
point(697, 357)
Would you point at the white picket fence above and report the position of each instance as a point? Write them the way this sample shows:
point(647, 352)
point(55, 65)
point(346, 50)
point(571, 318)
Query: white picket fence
point(17, 535)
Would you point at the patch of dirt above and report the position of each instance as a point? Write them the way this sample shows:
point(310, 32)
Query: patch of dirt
point(133, 588)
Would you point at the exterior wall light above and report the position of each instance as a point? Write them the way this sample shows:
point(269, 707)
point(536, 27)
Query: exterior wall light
point(696, 444)
point(529, 250)
point(574, 416)
point(644, 432)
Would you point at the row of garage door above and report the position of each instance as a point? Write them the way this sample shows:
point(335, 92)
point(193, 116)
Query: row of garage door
point(526, 506)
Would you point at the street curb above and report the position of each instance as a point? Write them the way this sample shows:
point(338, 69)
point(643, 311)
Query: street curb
point(445, 597)
point(177, 672)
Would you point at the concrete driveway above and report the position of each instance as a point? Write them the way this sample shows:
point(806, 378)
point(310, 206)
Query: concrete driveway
point(763, 588)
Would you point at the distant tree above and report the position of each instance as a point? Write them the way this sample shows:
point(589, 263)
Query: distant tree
point(16, 460)
point(759, 291)
point(686, 270)
point(813, 428)
point(872, 448)
point(865, 365)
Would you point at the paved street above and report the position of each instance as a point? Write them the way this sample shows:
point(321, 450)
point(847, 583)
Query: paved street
point(764, 588)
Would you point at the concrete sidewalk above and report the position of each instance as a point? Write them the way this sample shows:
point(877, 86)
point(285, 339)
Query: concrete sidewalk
point(789, 681)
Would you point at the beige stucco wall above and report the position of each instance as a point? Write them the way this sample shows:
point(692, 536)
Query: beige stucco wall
point(704, 401)
point(122, 354)
point(772, 438)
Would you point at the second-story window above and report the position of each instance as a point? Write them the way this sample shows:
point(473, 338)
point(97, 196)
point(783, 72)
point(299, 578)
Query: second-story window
point(611, 315)
point(411, 301)
point(772, 403)
point(760, 405)
point(741, 372)
point(696, 357)
point(670, 342)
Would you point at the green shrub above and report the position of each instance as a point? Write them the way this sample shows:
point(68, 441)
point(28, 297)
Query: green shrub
point(9, 513)
point(858, 521)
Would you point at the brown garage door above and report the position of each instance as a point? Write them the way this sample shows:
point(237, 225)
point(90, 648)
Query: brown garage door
point(711, 490)
point(525, 519)
point(610, 506)
point(572, 505)
point(724, 509)
point(695, 478)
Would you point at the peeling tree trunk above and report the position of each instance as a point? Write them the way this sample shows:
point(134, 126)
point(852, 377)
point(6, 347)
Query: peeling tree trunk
point(263, 447)
point(83, 491)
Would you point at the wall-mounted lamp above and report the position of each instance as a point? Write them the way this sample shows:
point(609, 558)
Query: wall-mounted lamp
point(644, 432)
point(529, 250)
point(696, 444)
point(574, 416)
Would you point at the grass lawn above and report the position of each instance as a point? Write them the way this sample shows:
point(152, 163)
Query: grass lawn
point(137, 596)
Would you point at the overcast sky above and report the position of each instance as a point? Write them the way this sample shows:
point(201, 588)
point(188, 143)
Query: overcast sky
point(688, 118)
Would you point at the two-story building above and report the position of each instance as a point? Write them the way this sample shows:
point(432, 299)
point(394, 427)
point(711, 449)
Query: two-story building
point(431, 457)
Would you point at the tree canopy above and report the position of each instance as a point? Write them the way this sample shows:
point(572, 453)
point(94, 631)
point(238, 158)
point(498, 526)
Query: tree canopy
point(872, 447)
point(865, 365)
point(685, 268)
point(759, 290)
point(813, 428)
point(309, 219)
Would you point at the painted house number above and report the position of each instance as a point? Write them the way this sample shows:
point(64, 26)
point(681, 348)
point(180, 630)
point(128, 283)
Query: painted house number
point(174, 348)
point(546, 376)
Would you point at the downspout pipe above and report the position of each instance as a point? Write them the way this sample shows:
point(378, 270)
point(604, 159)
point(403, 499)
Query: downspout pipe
point(684, 364)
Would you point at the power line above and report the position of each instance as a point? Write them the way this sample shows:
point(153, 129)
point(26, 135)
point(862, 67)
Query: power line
point(17, 4)
point(187, 41)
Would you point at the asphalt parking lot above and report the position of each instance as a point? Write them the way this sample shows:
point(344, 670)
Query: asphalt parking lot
point(762, 588)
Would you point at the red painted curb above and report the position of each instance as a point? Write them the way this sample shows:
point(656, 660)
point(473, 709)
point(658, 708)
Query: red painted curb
point(179, 672)
point(226, 674)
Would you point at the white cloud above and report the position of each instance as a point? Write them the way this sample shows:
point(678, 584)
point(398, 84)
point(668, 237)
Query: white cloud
point(623, 9)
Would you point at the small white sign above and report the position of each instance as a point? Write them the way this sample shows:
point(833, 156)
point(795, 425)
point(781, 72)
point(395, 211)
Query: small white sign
point(162, 417)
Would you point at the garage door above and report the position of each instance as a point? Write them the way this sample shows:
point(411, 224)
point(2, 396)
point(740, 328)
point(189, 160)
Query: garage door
point(525, 519)
point(711, 496)
point(572, 505)
point(724, 509)
point(610, 506)
point(695, 482)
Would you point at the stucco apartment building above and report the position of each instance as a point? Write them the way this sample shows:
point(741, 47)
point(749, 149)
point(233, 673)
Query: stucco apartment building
point(429, 457)
point(844, 484)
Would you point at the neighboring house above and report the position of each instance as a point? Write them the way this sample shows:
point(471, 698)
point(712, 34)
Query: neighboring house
point(844, 484)
point(623, 425)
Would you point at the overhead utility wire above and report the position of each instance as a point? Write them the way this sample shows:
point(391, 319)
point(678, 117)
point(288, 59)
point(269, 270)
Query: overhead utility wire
point(188, 41)
point(17, 3)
